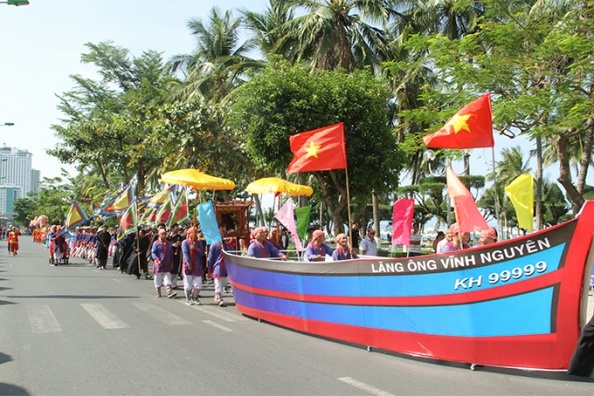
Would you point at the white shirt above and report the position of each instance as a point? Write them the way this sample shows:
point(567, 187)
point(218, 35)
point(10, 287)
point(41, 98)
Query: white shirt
point(368, 246)
point(418, 237)
point(440, 245)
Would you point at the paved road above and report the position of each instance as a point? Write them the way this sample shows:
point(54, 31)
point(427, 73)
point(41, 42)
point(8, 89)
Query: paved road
point(74, 330)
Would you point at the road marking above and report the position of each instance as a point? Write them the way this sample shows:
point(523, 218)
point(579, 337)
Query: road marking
point(161, 314)
point(42, 319)
point(104, 317)
point(364, 387)
point(218, 326)
point(219, 314)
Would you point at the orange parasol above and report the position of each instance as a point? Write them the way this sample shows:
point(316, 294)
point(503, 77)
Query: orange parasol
point(197, 180)
point(277, 186)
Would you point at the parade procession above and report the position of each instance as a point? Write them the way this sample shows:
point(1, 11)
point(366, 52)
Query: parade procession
point(297, 197)
point(213, 241)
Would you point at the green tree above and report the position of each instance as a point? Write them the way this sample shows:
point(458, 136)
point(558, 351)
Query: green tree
point(269, 28)
point(25, 210)
point(283, 100)
point(556, 208)
point(512, 164)
point(538, 67)
point(55, 199)
point(333, 34)
point(194, 134)
point(218, 62)
point(107, 121)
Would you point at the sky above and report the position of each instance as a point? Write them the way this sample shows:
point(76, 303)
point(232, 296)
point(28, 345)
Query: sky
point(42, 44)
point(41, 47)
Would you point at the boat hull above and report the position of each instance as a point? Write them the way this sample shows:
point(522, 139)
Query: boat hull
point(516, 303)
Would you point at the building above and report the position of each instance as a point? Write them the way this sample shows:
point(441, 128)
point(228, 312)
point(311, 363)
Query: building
point(17, 178)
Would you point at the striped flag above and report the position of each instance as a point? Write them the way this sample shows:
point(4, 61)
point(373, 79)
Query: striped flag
point(128, 221)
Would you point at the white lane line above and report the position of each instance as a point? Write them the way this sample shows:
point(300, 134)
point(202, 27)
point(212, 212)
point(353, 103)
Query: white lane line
point(219, 314)
point(364, 387)
point(104, 317)
point(161, 314)
point(42, 319)
point(218, 326)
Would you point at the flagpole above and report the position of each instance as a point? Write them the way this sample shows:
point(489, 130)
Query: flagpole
point(138, 253)
point(496, 195)
point(346, 172)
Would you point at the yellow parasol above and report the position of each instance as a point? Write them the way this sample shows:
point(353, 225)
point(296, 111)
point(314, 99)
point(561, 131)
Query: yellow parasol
point(197, 180)
point(278, 186)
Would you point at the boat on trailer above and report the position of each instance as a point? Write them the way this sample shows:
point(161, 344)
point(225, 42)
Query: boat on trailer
point(516, 303)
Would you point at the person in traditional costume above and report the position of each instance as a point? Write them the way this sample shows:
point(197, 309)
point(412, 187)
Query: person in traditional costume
point(51, 243)
point(488, 236)
point(317, 249)
point(102, 250)
point(261, 248)
point(192, 251)
point(138, 260)
point(59, 245)
point(13, 240)
point(176, 239)
point(274, 239)
point(459, 240)
point(162, 255)
point(218, 270)
point(343, 250)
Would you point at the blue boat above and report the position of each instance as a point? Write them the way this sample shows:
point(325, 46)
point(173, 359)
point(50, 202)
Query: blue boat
point(517, 303)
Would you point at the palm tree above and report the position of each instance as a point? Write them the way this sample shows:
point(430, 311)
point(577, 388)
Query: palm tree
point(216, 66)
point(269, 28)
point(333, 34)
point(512, 165)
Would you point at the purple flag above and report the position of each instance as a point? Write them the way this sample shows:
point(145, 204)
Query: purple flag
point(286, 215)
point(404, 210)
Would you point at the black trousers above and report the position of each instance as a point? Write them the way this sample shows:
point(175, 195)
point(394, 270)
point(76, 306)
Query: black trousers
point(582, 361)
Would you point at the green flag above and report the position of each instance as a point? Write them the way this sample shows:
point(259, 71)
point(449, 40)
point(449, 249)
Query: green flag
point(303, 214)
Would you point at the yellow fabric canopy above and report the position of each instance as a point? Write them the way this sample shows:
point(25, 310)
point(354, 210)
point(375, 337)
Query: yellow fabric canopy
point(277, 185)
point(197, 180)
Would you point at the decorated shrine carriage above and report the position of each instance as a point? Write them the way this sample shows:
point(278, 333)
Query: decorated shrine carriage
point(233, 219)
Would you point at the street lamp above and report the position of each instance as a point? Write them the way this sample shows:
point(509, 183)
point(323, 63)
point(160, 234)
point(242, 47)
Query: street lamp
point(15, 2)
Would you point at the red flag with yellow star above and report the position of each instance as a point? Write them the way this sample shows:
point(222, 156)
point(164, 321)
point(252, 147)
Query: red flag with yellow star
point(318, 150)
point(471, 127)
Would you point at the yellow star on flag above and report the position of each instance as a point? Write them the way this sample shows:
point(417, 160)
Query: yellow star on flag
point(459, 122)
point(312, 150)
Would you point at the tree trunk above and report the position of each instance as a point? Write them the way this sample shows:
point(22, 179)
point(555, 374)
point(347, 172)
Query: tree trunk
point(259, 212)
point(141, 176)
point(336, 208)
point(538, 200)
point(586, 155)
point(576, 199)
point(376, 219)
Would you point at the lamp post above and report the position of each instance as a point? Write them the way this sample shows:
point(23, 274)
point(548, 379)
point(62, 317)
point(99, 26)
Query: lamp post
point(15, 2)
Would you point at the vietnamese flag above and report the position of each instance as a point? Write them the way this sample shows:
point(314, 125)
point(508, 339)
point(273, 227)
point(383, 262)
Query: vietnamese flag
point(467, 214)
point(318, 150)
point(471, 127)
